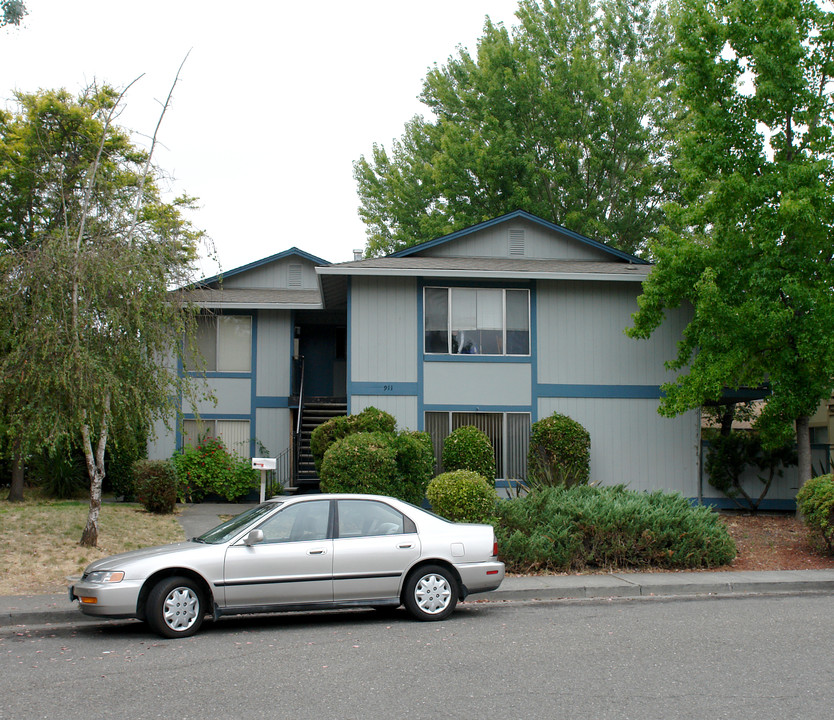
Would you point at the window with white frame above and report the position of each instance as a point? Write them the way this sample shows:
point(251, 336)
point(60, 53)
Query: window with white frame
point(224, 342)
point(508, 432)
point(476, 321)
point(234, 434)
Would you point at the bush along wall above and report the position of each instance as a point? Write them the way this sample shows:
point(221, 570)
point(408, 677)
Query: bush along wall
point(469, 448)
point(562, 529)
point(559, 453)
point(463, 496)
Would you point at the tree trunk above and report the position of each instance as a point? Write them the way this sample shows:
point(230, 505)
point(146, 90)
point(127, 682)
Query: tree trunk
point(803, 451)
point(95, 469)
point(16, 489)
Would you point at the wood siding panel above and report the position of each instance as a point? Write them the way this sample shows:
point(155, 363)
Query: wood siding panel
point(539, 242)
point(274, 275)
point(383, 330)
point(632, 445)
point(402, 407)
point(272, 430)
point(274, 353)
point(477, 383)
point(581, 337)
point(233, 398)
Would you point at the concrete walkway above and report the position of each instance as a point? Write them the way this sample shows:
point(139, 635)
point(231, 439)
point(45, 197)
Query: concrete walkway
point(196, 519)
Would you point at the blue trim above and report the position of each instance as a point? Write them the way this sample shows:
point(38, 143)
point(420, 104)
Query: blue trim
point(385, 388)
point(524, 216)
point(723, 503)
point(524, 359)
point(293, 251)
point(650, 392)
point(534, 353)
point(349, 348)
point(479, 408)
point(218, 416)
point(264, 401)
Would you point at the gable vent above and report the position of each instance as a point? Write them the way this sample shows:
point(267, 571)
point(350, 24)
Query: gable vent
point(516, 241)
point(294, 276)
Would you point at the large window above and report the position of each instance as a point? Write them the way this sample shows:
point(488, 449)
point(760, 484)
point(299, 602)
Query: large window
point(477, 321)
point(224, 342)
point(234, 434)
point(509, 434)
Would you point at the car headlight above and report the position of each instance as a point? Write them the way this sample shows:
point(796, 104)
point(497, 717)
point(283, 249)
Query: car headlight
point(105, 576)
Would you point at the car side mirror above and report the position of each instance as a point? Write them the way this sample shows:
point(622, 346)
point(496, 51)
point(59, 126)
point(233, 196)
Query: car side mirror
point(254, 537)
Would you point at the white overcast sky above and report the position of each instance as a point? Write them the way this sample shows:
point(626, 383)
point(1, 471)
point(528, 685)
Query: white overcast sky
point(275, 101)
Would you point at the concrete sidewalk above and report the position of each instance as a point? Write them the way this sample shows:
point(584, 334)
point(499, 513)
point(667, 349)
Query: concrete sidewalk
point(195, 519)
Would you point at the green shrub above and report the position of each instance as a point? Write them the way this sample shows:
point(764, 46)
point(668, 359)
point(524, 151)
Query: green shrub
point(468, 448)
point(360, 463)
point(575, 528)
point(815, 501)
point(155, 482)
point(370, 420)
point(415, 465)
point(124, 449)
point(60, 473)
point(209, 468)
point(463, 496)
point(559, 453)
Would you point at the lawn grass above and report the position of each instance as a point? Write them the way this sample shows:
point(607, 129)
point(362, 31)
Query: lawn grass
point(39, 540)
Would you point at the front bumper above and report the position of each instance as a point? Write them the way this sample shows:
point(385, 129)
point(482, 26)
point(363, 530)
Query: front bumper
point(111, 600)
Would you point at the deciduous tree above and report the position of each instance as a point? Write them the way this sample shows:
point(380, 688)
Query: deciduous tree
point(751, 245)
point(88, 253)
point(561, 118)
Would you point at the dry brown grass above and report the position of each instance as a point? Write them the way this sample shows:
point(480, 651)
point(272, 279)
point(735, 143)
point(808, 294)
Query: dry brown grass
point(39, 540)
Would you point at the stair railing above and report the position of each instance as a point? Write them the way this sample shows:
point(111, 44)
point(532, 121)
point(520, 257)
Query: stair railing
point(296, 441)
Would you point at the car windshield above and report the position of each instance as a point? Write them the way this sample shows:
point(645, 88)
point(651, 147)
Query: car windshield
point(227, 530)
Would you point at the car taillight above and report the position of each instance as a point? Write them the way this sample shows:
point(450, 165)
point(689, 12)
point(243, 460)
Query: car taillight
point(494, 548)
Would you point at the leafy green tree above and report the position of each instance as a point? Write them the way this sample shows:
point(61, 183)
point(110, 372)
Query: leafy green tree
point(562, 119)
point(751, 245)
point(88, 252)
point(12, 12)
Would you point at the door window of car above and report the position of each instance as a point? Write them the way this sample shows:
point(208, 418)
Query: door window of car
point(298, 522)
point(361, 518)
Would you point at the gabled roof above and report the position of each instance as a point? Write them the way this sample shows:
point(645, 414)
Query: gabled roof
point(293, 251)
point(520, 214)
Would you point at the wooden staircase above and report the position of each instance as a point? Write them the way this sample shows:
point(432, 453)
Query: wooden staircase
point(314, 412)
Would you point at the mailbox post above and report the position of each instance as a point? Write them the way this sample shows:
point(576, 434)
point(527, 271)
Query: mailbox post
point(264, 464)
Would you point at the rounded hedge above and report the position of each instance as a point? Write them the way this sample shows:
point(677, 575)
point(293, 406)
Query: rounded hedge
point(360, 463)
point(370, 420)
point(463, 496)
point(559, 453)
point(815, 501)
point(468, 448)
point(155, 483)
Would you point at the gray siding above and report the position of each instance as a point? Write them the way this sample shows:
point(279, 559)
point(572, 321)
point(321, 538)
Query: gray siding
point(538, 242)
point(272, 430)
point(581, 340)
point(162, 443)
point(275, 275)
point(234, 397)
point(274, 352)
point(632, 445)
point(383, 330)
point(477, 383)
point(402, 407)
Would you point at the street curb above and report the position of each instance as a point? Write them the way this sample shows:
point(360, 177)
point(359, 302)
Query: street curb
point(20, 611)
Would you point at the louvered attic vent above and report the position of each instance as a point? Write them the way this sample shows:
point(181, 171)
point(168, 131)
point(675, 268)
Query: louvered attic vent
point(516, 241)
point(294, 276)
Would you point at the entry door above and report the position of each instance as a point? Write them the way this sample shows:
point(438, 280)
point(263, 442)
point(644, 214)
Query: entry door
point(293, 564)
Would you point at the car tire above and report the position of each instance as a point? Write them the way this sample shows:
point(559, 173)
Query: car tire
point(431, 593)
point(175, 607)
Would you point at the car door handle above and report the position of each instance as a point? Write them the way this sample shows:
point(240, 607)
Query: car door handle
point(318, 551)
point(406, 546)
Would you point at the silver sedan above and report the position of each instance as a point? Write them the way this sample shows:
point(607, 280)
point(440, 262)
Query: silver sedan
point(311, 552)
